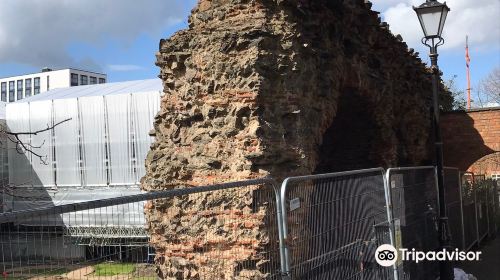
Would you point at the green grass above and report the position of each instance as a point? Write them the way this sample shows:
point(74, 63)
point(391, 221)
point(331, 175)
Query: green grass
point(28, 273)
point(110, 269)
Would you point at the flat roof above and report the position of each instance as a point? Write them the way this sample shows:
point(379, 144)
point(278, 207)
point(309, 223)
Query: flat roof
point(54, 70)
point(494, 108)
point(127, 87)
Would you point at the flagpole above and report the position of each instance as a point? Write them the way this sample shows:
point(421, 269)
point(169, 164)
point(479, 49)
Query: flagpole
point(467, 61)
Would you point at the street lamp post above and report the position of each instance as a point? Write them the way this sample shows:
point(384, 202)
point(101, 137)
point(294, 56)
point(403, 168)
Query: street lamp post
point(432, 16)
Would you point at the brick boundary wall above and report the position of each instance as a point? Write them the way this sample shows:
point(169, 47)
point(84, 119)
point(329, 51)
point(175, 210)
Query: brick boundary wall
point(469, 136)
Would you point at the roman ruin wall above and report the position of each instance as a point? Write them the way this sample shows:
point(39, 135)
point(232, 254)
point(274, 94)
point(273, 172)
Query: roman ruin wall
point(257, 88)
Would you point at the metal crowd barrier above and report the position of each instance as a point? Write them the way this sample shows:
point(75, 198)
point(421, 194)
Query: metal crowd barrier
point(189, 228)
point(329, 225)
point(324, 226)
point(454, 206)
point(414, 205)
point(480, 206)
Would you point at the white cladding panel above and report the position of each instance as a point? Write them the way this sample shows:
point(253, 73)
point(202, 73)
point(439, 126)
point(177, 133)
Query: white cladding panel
point(66, 137)
point(146, 106)
point(18, 120)
point(120, 139)
point(40, 117)
point(94, 140)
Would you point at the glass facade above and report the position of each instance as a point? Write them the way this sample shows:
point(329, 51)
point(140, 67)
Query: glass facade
point(93, 80)
point(36, 85)
point(84, 80)
point(102, 80)
point(12, 91)
point(27, 87)
point(74, 79)
point(4, 92)
point(19, 89)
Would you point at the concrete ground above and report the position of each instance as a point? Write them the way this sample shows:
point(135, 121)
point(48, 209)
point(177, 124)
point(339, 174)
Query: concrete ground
point(488, 268)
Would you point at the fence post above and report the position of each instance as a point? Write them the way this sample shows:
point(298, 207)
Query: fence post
point(461, 210)
point(487, 211)
point(284, 257)
point(388, 202)
point(475, 209)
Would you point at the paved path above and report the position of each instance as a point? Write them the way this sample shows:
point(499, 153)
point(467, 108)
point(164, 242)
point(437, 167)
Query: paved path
point(488, 268)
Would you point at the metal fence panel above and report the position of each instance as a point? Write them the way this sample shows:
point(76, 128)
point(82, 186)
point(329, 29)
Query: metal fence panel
point(331, 222)
point(453, 198)
point(492, 209)
point(469, 210)
point(232, 227)
point(482, 212)
point(415, 213)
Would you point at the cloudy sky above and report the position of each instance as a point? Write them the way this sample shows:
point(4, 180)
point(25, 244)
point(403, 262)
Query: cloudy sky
point(121, 37)
point(118, 37)
point(479, 19)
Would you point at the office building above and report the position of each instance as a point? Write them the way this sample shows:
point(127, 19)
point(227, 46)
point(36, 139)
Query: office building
point(19, 87)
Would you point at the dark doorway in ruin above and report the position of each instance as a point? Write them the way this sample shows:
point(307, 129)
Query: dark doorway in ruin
point(347, 143)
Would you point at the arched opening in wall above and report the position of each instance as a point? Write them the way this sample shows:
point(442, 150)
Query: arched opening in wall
point(488, 165)
point(347, 143)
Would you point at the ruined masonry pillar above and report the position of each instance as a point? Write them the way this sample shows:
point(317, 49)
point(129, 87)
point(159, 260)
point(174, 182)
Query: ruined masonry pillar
point(250, 88)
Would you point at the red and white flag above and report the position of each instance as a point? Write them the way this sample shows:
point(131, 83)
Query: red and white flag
point(467, 57)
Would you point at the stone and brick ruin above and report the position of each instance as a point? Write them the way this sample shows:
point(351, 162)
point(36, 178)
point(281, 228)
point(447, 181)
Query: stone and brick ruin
point(257, 88)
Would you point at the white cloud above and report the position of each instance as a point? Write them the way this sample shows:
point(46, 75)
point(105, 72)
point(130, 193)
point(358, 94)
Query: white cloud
point(124, 67)
point(478, 19)
point(38, 32)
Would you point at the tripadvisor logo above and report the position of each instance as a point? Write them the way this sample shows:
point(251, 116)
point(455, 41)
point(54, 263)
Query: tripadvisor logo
point(387, 255)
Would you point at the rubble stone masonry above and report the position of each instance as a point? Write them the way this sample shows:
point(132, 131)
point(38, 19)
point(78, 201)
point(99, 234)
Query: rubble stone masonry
point(272, 87)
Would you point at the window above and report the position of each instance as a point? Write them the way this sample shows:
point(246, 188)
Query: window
point(36, 86)
point(12, 91)
point(84, 80)
point(48, 83)
point(74, 79)
point(102, 80)
point(19, 89)
point(93, 80)
point(4, 92)
point(27, 87)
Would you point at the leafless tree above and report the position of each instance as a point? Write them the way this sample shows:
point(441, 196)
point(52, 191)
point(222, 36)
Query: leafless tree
point(23, 147)
point(490, 86)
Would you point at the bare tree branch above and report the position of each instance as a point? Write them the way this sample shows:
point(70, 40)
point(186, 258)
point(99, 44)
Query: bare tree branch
point(490, 86)
point(23, 147)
